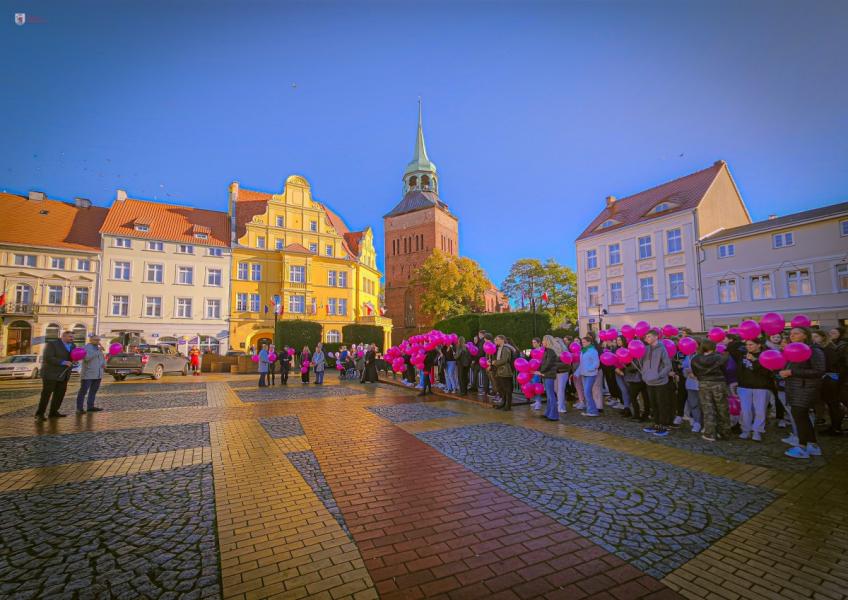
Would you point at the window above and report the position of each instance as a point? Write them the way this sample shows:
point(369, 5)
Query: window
point(120, 306)
point(331, 278)
point(645, 249)
point(842, 277)
point(54, 294)
point(334, 336)
point(213, 309)
point(23, 294)
point(202, 236)
point(331, 306)
point(280, 222)
point(121, 270)
point(241, 302)
point(215, 251)
point(646, 289)
point(242, 271)
point(79, 334)
point(254, 302)
point(260, 241)
point(676, 288)
point(727, 291)
point(57, 263)
point(343, 306)
point(616, 295)
point(297, 274)
point(593, 295)
point(25, 260)
point(185, 275)
point(799, 282)
point(674, 241)
point(123, 243)
point(843, 228)
point(83, 264)
point(185, 249)
point(614, 254)
point(297, 304)
point(726, 250)
point(81, 296)
point(213, 277)
point(154, 273)
point(342, 279)
point(155, 246)
point(329, 250)
point(153, 306)
point(255, 272)
point(591, 259)
point(761, 287)
point(52, 332)
point(661, 207)
point(183, 308)
point(141, 227)
point(313, 226)
point(607, 223)
point(782, 240)
point(279, 243)
point(313, 248)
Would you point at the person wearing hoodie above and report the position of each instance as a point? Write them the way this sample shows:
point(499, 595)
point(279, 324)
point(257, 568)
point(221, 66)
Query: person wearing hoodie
point(803, 386)
point(708, 368)
point(548, 372)
point(656, 367)
point(588, 372)
point(756, 384)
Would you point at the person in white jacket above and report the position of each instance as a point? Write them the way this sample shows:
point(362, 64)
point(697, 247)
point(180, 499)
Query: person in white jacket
point(91, 373)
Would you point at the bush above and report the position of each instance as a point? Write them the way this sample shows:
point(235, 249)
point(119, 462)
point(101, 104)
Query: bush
point(297, 334)
point(518, 326)
point(465, 325)
point(363, 334)
point(562, 332)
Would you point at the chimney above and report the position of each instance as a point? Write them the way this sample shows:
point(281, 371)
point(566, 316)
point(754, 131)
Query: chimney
point(610, 202)
point(36, 196)
point(719, 163)
point(772, 217)
point(121, 196)
point(82, 202)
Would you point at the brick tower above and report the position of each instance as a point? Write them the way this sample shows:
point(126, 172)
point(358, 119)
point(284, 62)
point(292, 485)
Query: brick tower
point(420, 223)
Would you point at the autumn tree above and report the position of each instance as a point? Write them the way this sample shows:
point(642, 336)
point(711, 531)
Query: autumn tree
point(452, 285)
point(552, 287)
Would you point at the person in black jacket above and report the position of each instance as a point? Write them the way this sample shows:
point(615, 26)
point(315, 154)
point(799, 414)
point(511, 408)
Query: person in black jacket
point(803, 386)
point(708, 368)
point(55, 373)
point(830, 392)
point(756, 386)
point(548, 372)
point(463, 363)
point(429, 363)
point(284, 358)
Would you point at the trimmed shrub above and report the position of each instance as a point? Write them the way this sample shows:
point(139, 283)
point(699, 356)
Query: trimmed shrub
point(465, 325)
point(518, 326)
point(297, 334)
point(562, 332)
point(363, 334)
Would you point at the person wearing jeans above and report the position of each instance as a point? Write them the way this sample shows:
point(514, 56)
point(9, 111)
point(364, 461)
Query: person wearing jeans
point(693, 398)
point(91, 374)
point(755, 387)
point(319, 363)
point(588, 372)
point(263, 366)
point(451, 382)
point(656, 367)
point(548, 372)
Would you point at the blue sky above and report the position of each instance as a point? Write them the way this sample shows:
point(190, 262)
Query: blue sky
point(534, 111)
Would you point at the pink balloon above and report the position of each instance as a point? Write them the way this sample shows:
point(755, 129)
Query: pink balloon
point(734, 331)
point(797, 352)
point(291, 351)
point(734, 406)
point(490, 348)
point(670, 347)
point(575, 347)
point(534, 364)
point(608, 358)
point(473, 350)
point(670, 330)
point(721, 348)
point(255, 358)
point(637, 349)
point(772, 323)
point(749, 329)
point(537, 353)
point(77, 354)
point(305, 364)
point(575, 358)
point(115, 348)
point(687, 346)
point(628, 332)
point(539, 388)
point(523, 378)
point(527, 390)
point(304, 369)
point(484, 363)
point(641, 328)
point(272, 357)
point(772, 360)
point(716, 334)
point(521, 364)
point(565, 357)
point(801, 321)
point(623, 355)
point(612, 332)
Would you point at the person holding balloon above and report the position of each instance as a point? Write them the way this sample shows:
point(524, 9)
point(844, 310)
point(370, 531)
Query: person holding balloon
point(756, 385)
point(536, 353)
point(501, 366)
point(548, 372)
point(708, 368)
point(56, 364)
point(803, 374)
point(463, 364)
point(305, 356)
point(656, 368)
point(563, 370)
point(91, 373)
point(263, 366)
point(588, 372)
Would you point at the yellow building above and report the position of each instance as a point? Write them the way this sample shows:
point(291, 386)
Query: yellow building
point(290, 249)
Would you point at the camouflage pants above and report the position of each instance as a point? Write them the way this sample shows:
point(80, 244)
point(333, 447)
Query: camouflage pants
point(714, 406)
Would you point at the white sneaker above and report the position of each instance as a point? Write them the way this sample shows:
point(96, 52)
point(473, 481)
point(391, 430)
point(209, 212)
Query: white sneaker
point(744, 435)
point(783, 424)
point(696, 428)
point(814, 449)
point(792, 440)
point(537, 406)
point(579, 406)
point(562, 410)
point(757, 436)
point(678, 420)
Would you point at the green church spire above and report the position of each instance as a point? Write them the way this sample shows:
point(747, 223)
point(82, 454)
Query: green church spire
point(420, 161)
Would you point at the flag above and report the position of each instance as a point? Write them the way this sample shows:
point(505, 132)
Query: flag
point(2, 299)
point(266, 309)
point(544, 296)
point(383, 311)
point(327, 308)
point(369, 308)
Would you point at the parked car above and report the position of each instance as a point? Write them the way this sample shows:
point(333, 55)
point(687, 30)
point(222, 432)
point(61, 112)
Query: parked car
point(147, 359)
point(21, 366)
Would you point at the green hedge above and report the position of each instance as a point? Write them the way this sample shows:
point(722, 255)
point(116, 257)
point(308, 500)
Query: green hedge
point(562, 332)
point(465, 325)
point(518, 326)
point(363, 334)
point(297, 334)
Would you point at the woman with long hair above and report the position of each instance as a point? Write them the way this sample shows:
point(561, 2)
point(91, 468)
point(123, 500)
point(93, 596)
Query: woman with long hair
point(803, 386)
point(319, 363)
point(588, 371)
point(547, 371)
point(562, 372)
point(305, 355)
point(463, 364)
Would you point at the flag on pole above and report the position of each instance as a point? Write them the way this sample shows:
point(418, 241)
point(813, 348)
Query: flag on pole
point(544, 296)
point(383, 311)
point(369, 308)
point(2, 299)
point(278, 305)
point(266, 309)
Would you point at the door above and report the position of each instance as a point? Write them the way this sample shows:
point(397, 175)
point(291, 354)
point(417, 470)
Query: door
point(19, 338)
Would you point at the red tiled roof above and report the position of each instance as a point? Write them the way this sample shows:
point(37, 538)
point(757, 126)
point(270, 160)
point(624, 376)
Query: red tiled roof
point(353, 238)
point(167, 222)
point(64, 225)
point(684, 194)
point(249, 203)
point(296, 248)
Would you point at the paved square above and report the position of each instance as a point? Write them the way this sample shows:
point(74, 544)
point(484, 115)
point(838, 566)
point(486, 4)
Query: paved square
point(282, 427)
point(308, 467)
point(296, 391)
point(113, 402)
point(402, 413)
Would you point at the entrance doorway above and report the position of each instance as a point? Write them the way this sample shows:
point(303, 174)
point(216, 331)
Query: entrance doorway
point(19, 338)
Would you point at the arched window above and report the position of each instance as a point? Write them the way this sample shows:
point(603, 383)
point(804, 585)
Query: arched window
point(425, 182)
point(79, 334)
point(209, 343)
point(334, 336)
point(52, 332)
point(413, 181)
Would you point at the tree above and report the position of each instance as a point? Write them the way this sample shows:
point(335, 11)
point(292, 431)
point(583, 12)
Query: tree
point(451, 285)
point(529, 280)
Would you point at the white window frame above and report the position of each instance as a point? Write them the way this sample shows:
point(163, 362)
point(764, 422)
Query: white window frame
point(642, 287)
point(313, 226)
point(674, 235)
point(124, 306)
point(334, 336)
point(142, 227)
point(650, 245)
point(342, 310)
point(614, 258)
point(123, 242)
point(183, 270)
point(155, 246)
point(243, 271)
point(254, 303)
point(115, 264)
point(210, 304)
point(154, 302)
point(731, 285)
point(785, 239)
point(671, 286)
point(241, 302)
point(297, 274)
point(87, 264)
point(26, 260)
point(838, 285)
point(255, 272)
point(809, 281)
point(183, 307)
point(54, 289)
point(185, 249)
point(616, 298)
point(331, 278)
point(260, 242)
point(757, 284)
point(843, 228)
point(201, 236)
point(331, 307)
point(726, 250)
point(54, 260)
point(150, 268)
point(87, 292)
point(592, 295)
point(313, 247)
point(591, 259)
point(279, 243)
point(219, 273)
point(343, 279)
point(297, 304)
point(281, 221)
point(330, 250)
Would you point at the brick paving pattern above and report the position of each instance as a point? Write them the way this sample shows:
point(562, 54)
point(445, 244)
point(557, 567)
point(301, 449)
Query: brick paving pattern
point(402, 413)
point(308, 467)
point(141, 536)
point(290, 392)
point(117, 402)
point(282, 427)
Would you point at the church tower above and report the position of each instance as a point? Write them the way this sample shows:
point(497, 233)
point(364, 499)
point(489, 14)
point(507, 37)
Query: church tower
point(419, 224)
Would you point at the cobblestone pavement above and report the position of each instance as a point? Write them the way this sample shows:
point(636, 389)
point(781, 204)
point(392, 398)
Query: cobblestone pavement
point(349, 491)
point(45, 450)
point(137, 401)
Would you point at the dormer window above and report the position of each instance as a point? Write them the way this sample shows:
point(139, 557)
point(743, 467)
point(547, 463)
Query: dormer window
point(607, 224)
point(201, 236)
point(140, 227)
point(662, 206)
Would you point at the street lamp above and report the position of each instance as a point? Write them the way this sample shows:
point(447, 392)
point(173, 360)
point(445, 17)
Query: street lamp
point(601, 312)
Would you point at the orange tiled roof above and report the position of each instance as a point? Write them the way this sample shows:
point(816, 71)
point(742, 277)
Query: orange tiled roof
point(684, 193)
point(167, 222)
point(353, 238)
point(296, 248)
point(63, 226)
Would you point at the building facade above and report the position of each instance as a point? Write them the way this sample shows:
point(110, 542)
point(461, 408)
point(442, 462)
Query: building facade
point(795, 264)
point(637, 260)
point(165, 276)
point(294, 258)
point(419, 224)
point(49, 265)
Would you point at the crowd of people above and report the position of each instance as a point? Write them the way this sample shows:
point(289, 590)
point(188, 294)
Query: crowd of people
point(717, 390)
point(360, 361)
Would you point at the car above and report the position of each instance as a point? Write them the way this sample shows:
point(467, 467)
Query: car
point(147, 359)
point(21, 366)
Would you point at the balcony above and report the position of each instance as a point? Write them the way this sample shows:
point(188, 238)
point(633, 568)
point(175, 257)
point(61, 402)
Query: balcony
point(296, 285)
point(19, 309)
